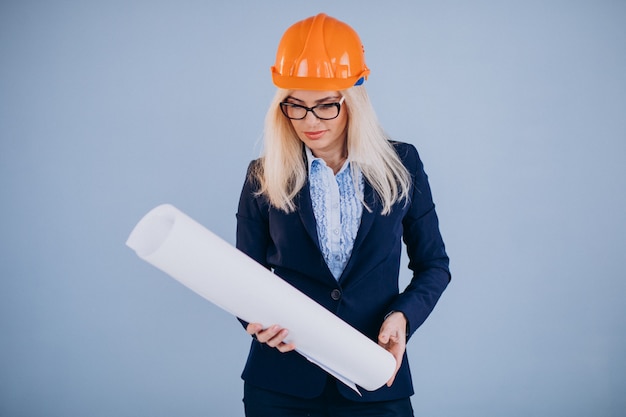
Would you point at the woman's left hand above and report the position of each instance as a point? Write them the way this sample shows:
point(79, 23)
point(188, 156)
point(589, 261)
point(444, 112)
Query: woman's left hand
point(392, 337)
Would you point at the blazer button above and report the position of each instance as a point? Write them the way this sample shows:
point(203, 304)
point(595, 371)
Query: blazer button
point(335, 294)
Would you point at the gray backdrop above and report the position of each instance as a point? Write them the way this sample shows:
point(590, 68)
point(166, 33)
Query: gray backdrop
point(110, 108)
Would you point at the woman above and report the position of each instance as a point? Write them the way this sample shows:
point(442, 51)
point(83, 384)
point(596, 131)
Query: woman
point(326, 208)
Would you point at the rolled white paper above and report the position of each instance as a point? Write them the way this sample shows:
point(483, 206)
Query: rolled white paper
point(184, 249)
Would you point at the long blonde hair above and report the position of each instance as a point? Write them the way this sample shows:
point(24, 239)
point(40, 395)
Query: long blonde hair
point(282, 171)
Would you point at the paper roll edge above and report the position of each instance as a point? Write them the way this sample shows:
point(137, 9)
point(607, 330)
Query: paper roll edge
point(152, 230)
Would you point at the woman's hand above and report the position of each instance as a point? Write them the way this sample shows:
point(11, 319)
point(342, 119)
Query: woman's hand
point(273, 336)
point(392, 337)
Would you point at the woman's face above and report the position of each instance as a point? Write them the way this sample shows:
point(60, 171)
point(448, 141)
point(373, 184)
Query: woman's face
point(323, 137)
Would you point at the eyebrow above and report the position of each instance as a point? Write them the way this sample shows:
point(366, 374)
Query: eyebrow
point(316, 101)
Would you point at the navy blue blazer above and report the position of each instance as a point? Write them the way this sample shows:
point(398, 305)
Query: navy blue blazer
point(368, 288)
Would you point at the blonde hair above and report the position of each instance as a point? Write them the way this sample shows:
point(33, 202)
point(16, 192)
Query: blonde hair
point(282, 169)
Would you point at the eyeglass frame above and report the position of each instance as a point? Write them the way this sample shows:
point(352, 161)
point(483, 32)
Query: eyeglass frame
point(310, 109)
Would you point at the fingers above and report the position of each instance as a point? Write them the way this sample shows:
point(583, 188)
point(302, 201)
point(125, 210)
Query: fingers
point(285, 347)
point(388, 336)
point(397, 350)
point(392, 337)
point(253, 328)
point(273, 336)
point(383, 338)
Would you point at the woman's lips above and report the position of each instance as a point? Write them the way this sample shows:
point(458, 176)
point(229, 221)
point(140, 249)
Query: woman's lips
point(315, 135)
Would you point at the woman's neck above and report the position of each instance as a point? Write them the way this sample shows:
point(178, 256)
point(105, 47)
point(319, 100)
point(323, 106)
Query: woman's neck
point(333, 158)
point(335, 161)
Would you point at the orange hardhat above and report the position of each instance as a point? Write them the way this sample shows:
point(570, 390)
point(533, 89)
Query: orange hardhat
point(319, 53)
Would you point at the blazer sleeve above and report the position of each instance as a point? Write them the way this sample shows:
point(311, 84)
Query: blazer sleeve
point(425, 247)
point(252, 237)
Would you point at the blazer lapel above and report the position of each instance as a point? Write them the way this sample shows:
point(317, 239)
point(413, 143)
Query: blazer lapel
point(307, 216)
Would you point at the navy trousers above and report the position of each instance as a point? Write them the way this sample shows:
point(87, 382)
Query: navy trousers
point(263, 403)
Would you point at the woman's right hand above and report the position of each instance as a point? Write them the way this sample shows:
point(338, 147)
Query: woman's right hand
point(273, 336)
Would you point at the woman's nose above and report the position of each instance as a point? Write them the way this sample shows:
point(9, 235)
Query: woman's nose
point(311, 118)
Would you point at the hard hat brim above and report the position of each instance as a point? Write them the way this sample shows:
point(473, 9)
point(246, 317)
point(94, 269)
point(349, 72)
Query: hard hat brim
point(319, 84)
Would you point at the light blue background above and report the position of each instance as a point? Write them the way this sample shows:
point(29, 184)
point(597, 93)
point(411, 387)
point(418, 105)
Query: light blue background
point(109, 108)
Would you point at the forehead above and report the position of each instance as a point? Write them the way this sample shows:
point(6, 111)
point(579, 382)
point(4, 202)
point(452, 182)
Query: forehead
point(313, 96)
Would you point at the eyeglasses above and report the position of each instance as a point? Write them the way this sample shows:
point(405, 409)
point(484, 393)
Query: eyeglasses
point(325, 111)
